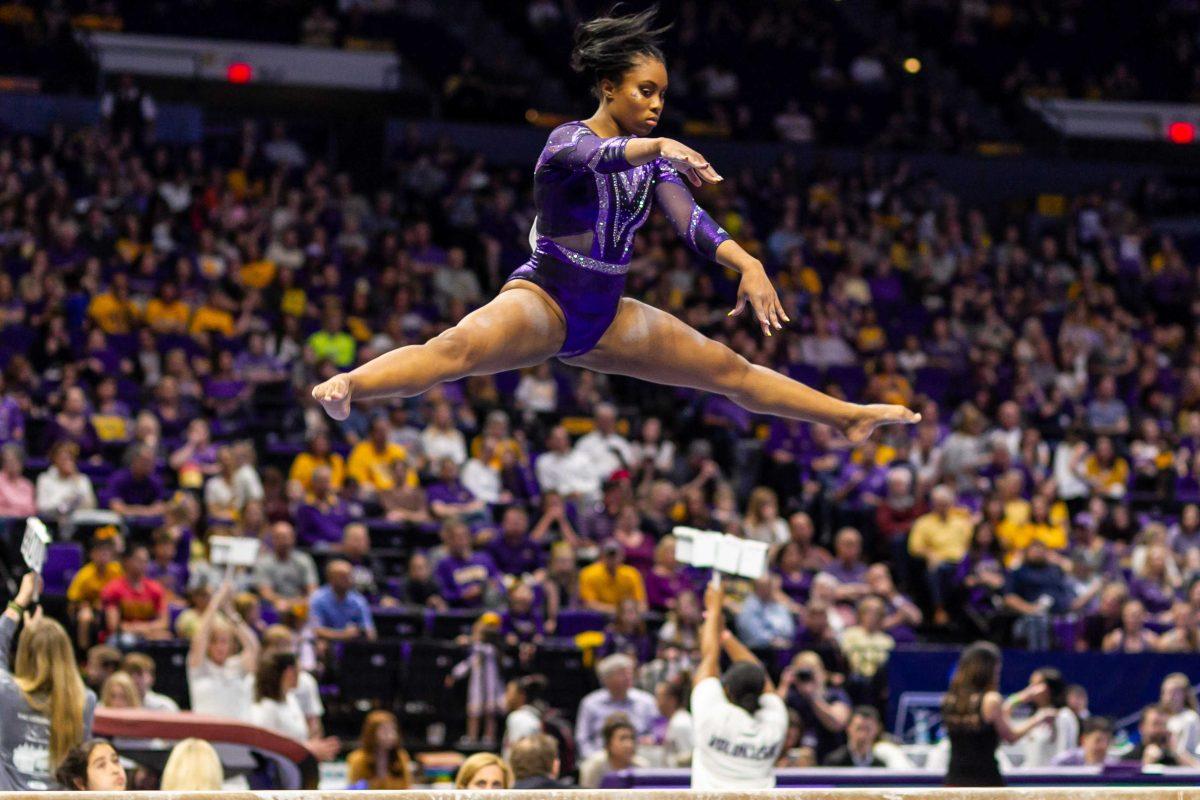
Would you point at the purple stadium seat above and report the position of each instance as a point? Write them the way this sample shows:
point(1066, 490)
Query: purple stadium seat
point(574, 621)
point(934, 382)
point(63, 560)
point(805, 373)
point(506, 382)
point(852, 380)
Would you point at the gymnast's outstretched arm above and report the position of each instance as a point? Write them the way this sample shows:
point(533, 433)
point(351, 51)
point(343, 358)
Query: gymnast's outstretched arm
point(709, 240)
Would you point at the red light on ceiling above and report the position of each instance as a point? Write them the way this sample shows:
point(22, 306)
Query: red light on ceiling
point(1181, 132)
point(239, 72)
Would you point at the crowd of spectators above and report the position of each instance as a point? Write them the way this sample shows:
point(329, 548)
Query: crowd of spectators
point(164, 313)
point(834, 86)
point(1010, 48)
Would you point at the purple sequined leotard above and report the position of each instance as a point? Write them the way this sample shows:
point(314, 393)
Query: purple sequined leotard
point(590, 201)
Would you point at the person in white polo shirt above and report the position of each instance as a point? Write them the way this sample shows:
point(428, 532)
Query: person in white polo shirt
point(740, 723)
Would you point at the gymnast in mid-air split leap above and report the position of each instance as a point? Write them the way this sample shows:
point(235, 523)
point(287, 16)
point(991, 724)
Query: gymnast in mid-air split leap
point(594, 185)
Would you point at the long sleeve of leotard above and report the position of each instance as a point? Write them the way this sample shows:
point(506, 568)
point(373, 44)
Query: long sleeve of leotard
point(693, 224)
point(577, 148)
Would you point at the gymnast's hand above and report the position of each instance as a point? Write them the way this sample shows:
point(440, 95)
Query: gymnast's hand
point(688, 161)
point(756, 287)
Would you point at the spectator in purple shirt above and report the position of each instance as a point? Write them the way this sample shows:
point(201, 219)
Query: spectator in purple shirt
point(794, 580)
point(666, 579)
point(627, 634)
point(449, 498)
point(255, 365)
point(464, 575)
point(1153, 584)
point(979, 579)
point(862, 482)
point(136, 491)
point(165, 568)
point(12, 420)
point(599, 521)
point(72, 424)
point(514, 550)
point(323, 516)
point(521, 624)
point(847, 567)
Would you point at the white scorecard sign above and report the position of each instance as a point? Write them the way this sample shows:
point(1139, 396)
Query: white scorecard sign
point(722, 552)
point(33, 546)
point(232, 551)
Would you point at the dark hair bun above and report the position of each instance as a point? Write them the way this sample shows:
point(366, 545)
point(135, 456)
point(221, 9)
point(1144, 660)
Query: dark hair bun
point(606, 47)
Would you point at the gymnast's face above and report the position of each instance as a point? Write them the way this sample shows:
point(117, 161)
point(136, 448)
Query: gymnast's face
point(636, 103)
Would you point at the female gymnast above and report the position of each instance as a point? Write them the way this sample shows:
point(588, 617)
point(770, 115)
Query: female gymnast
point(593, 187)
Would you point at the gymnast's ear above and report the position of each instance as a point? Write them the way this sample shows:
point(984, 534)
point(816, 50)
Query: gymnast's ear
point(606, 89)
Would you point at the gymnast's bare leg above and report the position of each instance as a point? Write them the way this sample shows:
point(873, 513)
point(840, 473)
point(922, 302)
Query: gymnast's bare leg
point(647, 343)
point(520, 327)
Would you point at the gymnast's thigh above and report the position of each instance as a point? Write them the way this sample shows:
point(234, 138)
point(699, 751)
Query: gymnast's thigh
point(518, 328)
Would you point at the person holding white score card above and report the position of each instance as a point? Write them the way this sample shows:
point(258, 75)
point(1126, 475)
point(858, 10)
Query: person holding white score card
point(740, 723)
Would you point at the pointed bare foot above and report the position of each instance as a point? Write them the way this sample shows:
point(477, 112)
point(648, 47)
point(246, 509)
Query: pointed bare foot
point(868, 418)
point(334, 396)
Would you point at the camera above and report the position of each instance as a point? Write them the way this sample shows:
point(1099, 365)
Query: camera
point(805, 676)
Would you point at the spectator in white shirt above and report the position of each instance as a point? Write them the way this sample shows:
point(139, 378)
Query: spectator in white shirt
point(482, 479)
point(63, 489)
point(523, 699)
point(679, 737)
point(141, 670)
point(605, 450)
point(216, 677)
point(565, 471)
point(441, 439)
point(537, 392)
point(277, 709)
point(281, 639)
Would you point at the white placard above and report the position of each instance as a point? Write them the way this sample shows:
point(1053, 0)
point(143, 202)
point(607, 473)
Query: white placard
point(729, 554)
point(33, 546)
point(753, 561)
point(685, 542)
point(233, 551)
point(704, 549)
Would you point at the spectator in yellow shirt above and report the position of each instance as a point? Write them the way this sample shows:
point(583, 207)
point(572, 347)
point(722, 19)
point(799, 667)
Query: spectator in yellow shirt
point(371, 460)
point(319, 454)
point(1105, 471)
point(940, 538)
point(113, 311)
point(496, 430)
point(167, 313)
point(215, 316)
point(1046, 524)
point(606, 583)
point(83, 595)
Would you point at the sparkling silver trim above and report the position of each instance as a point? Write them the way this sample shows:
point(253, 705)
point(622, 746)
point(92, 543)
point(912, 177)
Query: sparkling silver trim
point(555, 250)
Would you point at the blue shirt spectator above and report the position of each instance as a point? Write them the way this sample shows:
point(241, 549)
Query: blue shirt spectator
point(764, 621)
point(337, 611)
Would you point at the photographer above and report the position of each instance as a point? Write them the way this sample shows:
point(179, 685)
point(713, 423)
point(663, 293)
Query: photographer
point(824, 710)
